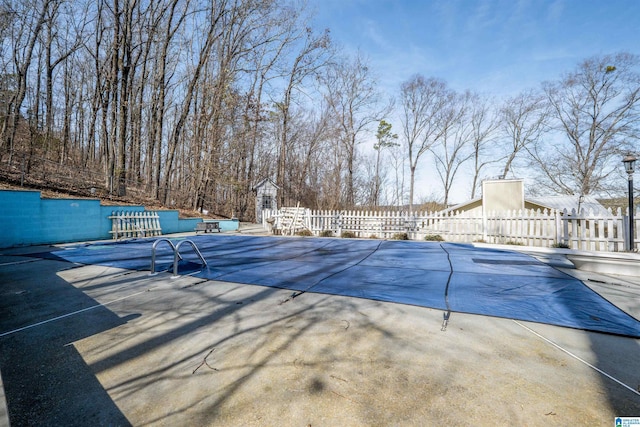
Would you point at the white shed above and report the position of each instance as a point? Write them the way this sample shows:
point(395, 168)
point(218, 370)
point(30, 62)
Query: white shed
point(266, 197)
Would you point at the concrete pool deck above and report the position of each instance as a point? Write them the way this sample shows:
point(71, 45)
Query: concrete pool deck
point(96, 345)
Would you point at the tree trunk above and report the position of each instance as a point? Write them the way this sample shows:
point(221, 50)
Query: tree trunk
point(10, 125)
point(186, 106)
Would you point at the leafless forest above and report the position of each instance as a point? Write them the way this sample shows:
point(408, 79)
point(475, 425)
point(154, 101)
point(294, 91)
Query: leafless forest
point(190, 103)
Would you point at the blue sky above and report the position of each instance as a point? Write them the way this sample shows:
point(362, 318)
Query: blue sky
point(499, 47)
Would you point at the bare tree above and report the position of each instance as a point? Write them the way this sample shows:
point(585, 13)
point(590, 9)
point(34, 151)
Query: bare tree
point(422, 101)
point(398, 159)
point(26, 29)
point(58, 48)
point(455, 134)
point(309, 60)
point(524, 120)
point(176, 133)
point(170, 18)
point(484, 124)
point(123, 52)
point(354, 101)
point(274, 36)
point(596, 115)
point(254, 36)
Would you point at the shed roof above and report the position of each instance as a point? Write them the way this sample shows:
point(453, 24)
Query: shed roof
point(264, 182)
point(462, 206)
point(587, 204)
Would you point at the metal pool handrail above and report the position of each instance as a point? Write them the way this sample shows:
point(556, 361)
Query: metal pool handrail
point(177, 256)
point(153, 254)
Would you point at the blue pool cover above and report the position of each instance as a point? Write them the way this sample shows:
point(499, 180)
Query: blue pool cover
point(446, 276)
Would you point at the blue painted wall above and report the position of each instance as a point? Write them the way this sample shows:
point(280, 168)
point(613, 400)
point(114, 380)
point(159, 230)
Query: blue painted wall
point(27, 219)
point(17, 210)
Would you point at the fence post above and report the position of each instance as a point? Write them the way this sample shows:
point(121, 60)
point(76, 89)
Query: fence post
point(483, 224)
point(558, 222)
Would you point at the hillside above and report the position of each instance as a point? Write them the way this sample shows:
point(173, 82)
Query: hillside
point(58, 181)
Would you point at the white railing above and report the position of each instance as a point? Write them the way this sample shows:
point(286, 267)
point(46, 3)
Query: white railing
point(583, 231)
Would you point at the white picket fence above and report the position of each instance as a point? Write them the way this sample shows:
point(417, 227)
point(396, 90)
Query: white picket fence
point(129, 224)
point(583, 231)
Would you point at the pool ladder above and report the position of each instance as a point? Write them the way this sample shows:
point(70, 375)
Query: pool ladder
point(176, 254)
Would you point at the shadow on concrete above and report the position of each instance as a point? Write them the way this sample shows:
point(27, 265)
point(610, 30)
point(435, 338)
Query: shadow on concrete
point(46, 381)
point(617, 356)
point(228, 345)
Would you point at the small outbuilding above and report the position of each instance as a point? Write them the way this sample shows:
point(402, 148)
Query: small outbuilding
point(266, 197)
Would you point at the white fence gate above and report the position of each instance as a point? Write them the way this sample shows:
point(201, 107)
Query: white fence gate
point(583, 231)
